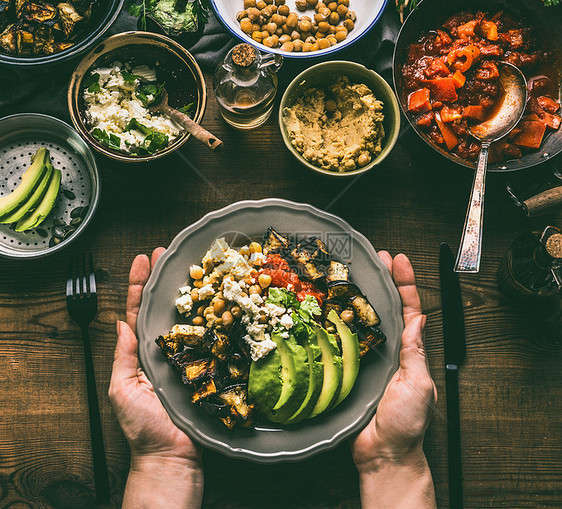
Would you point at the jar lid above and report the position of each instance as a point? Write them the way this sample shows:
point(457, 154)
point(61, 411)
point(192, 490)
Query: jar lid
point(244, 55)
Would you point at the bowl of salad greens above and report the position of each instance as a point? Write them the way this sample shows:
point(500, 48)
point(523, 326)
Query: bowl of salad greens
point(113, 88)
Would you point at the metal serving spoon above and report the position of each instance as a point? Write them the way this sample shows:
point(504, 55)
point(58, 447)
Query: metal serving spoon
point(507, 116)
point(186, 122)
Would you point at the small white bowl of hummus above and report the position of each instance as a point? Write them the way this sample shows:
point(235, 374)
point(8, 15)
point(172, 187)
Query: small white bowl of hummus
point(339, 118)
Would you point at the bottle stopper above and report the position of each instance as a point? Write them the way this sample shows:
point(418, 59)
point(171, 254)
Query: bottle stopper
point(244, 55)
point(554, 245)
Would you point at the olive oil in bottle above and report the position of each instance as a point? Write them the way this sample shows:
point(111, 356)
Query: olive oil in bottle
point(245, 85)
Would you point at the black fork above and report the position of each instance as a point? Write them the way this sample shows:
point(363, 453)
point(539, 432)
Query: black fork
point(82, 304)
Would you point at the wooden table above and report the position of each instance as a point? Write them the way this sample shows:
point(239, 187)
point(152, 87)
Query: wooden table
point(511, 388)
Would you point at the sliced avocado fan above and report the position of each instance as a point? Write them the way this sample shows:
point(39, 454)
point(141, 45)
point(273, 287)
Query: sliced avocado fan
point(37, 216)
point(32, 201)
point(30, 180)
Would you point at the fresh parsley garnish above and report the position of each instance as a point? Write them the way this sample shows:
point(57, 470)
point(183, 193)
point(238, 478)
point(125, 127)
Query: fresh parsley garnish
point(111, 141)
point(92, 83)
point(128, 77)
point(188, 109)
point(153, 141)
point(282, 297)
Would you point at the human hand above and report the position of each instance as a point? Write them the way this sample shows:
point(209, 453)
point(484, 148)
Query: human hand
point(165, 464)
point(395, 434)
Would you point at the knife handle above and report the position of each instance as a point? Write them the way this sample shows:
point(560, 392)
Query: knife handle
point(454, 437)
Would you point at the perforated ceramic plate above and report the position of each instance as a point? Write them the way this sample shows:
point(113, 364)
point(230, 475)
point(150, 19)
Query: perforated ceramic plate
point(270, 443)
point(20, 137)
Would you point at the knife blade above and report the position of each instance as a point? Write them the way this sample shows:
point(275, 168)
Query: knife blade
point(455, 354)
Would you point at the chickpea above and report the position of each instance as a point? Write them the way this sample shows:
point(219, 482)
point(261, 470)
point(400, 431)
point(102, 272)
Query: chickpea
point(323, 43)
point(265, 34)
point(301, 5)
point(318, 18)
point(285, 38)
point(198, 283)
point(253, 13)
point(267, 12)
point(215, 321)
point(348, 23)
point(284, 10)
point(279, 2)
point(323, 26)
point(279, 32)
point(194, 295)
point(236, 311)
point(364, 159)
point(254, 290)
point(332, 39)
point(342, 10)
point(256, 27)
point(332, 30)
point(277, 19)
point(334, 18)
point(344, 2)
point(305, 25)
point(305, 35)
point(196, 272)
point(324, 11)
point(314, 30)
point(295, 35)
point(320, 5)
point(219, 306)
point(268, 2)
point(347, 316)
point(341, 35)
point(271, 28)
point(351, 15)
point(249, 3)
point(314, 47)
point(292, 20)
point(246, 26)
point(306, 47)
point(261, 5)
point(255, 247)
point(264, 280)
point(227, 319)
point(201, 310)
point(269, 42)
point(240, 15)
point(312, 3)
point(297, 45)
point(263, 318)
point(207, 311)
point(310, 39)
point(198, 320)
point(333, 6)
point(257, 36)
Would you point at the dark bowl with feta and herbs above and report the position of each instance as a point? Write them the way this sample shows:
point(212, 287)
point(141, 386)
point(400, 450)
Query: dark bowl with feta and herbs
point(114, 86)
point(38, 33)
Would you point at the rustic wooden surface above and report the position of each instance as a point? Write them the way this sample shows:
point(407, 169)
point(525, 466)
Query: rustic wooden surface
point(511, 389)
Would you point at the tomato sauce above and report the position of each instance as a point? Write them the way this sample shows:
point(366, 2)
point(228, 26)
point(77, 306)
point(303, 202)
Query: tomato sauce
point(282, 276)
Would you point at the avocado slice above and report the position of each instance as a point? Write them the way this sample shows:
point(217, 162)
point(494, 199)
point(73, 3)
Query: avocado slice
point(32, 201)
point(264, 383)
point(294, 373)
point(333, 371)
point(350, 356)
point(30, 180)
point(37, 216)
point(315, 377)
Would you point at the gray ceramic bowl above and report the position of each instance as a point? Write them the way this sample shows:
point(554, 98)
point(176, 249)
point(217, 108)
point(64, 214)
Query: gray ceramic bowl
point(322, 76)
point(269, 443)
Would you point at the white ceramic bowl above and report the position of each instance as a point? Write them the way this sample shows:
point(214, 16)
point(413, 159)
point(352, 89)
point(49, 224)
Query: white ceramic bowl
point(368, 13)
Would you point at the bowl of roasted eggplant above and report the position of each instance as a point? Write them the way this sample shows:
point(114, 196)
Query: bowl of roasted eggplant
point(35, 33)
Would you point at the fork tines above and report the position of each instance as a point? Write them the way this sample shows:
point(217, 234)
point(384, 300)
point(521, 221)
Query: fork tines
point(82, 281)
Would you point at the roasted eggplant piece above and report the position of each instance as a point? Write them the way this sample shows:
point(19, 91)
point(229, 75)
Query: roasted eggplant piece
point(44, 41)
point(4, 13)
point(215, 409)
point(369, 339)
point(342, 290)
point(274, 242)
point(320, 254)
point(364, 312)
point(69, 17)
point(337, 271)
point(189, 335)
point(237, 342)
point(221, 346)
point(24, 39)
point(187, 355)
point(238, 368)
point(17, 6)
point(197, 370)
point(169, 346)
point(204, 391)
point(235, 396)
point(328, 306)
point(8, 39)
point(306, 265)
point(33, 12)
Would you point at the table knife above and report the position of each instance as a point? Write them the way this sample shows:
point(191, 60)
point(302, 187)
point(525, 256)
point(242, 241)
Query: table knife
point(455, 353)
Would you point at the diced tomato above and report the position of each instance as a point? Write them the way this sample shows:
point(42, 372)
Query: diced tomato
point(531, 134)
point(450, 114)
point(459, 78)
point(462, 58)
point(418, 101)
point(437, 68)
point(516, 38)
point(443, 89)
point(552, 121)
point(548, 104)
point(467, 30)
point(449, 137)
point(488, 71)
point(489, 29)
point(476, 113)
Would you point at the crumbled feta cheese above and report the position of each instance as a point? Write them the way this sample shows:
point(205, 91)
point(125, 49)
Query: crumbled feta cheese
point(258, 259)
point(185, 289)
point(286, 321)
point(184, 304)
point(259, 349)
point(206, 291)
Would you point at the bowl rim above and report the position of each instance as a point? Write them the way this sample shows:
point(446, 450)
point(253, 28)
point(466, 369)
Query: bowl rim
point(89, 60)
point(387, 149)
point(94, 202)
point(287, 54)
point(74, 51)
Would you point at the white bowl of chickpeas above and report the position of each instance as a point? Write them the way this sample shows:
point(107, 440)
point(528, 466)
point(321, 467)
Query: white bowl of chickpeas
point(299, 28)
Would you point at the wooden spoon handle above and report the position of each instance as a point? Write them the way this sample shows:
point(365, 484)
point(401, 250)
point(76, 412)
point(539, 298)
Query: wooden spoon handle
point(544, 202)
point(193, 127)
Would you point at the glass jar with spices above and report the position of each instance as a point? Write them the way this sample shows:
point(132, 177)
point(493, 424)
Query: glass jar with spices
point(245, 85)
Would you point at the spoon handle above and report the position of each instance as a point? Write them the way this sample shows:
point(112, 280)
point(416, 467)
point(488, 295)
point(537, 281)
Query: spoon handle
point(192, 127)
point(468, 258)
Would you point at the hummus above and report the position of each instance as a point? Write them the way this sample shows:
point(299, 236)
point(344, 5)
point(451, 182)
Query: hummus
point(339, 129)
